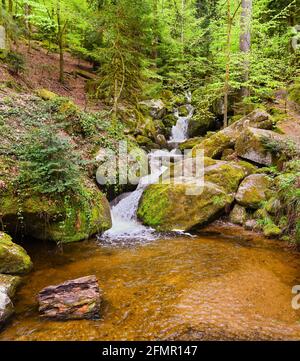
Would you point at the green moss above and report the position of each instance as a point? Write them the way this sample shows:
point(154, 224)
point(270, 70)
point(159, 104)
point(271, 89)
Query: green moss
point(214, 145)
point(225, 175)
point(13, 258)
point(271, 230)
point(169, 207)
point(46, 94)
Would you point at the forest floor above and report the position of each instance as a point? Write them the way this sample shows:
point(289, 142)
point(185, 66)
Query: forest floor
point(42, 71)
point(291, 125)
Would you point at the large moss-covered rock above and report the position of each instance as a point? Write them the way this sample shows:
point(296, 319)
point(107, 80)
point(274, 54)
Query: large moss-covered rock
point(215, 145)
point(168, 207)
point(60, 219)
point(253, 191)
point(260, 146)
point(227, 175)
point(154, 107)
point(13, 258)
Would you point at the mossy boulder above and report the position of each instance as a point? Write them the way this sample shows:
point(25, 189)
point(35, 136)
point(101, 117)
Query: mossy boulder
point(46, 94)
point(183, 111)
point(273, 206)
point(168, 207)
point(13, 258)
point(214, 145)
point(271, 230)
point(256, 145)
point(59, 219)
point(238, 215)
point(253, 191)
point(190, 143)
point(154, 107)
point(226, 175)
point(200, 125)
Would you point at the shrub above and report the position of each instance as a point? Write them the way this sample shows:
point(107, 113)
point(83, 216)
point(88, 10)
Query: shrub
point(15, 62)
point(49, 163)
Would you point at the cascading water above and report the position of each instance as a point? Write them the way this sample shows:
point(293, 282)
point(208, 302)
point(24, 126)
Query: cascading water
point(125, 225)
point(180, 130)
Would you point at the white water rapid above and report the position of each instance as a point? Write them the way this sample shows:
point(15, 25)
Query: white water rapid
point(125, 225)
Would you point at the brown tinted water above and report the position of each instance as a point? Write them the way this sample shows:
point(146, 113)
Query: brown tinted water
point(213, 286)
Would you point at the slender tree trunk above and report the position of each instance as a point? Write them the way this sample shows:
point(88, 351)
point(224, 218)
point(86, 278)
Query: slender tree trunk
point(245, 41)
point(60, 44)
point(228, 58)
point(182, 23)
point(155, 41)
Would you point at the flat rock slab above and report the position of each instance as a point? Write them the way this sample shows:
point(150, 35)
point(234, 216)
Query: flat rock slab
point(72, 300)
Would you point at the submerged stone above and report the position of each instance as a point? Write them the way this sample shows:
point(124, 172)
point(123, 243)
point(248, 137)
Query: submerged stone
point(72, 300)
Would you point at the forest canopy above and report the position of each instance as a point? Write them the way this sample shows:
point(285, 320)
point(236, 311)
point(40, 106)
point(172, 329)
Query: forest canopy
point(239, 51)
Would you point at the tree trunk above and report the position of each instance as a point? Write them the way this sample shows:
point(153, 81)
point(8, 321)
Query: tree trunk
point(228, 58)
point(245, 42)
point(60, 36)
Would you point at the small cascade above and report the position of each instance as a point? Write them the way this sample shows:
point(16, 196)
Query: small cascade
point(180, 130)
point(125, 226)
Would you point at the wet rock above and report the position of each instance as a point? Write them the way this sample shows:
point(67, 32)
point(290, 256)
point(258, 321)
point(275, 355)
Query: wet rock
point(161, 141)
point(253, 191)
point(13, 258)
point(9, 284)
point(168, 207)
point(71, 300)
point(238, 215)
point(8, 287)
point(6, 307)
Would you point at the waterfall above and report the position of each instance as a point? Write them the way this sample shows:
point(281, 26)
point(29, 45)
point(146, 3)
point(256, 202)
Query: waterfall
point(180, 130)
point(125, 225)
point(124, 220)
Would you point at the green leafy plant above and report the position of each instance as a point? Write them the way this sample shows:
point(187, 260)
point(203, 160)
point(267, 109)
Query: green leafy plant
point(49, 164)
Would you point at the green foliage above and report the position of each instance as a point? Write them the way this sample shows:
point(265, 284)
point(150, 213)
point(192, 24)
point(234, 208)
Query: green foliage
point(15, 62)
point(49, 164)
